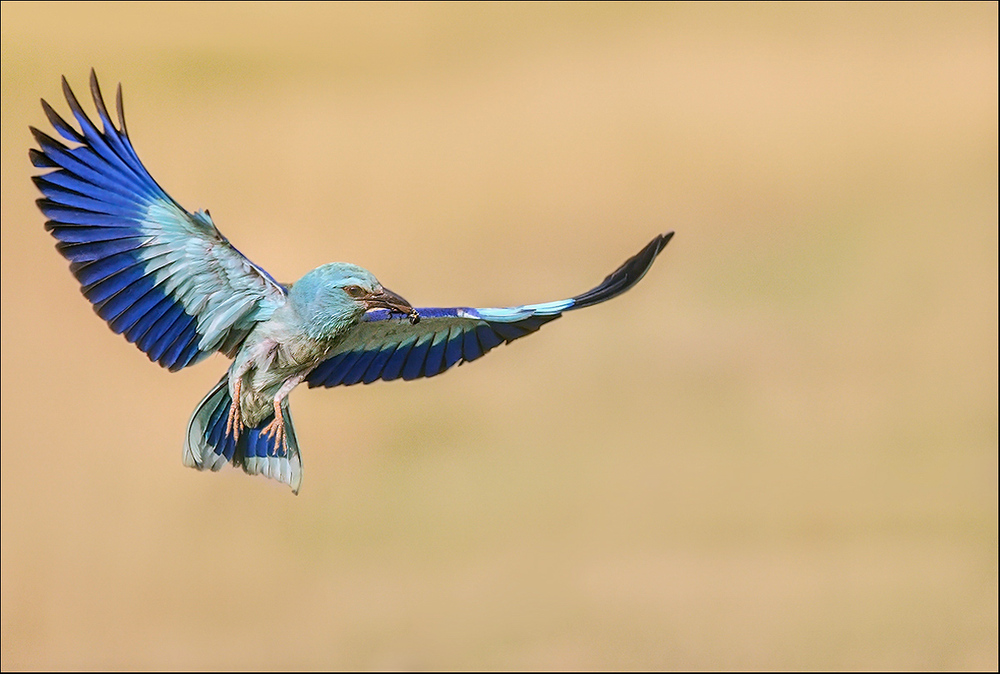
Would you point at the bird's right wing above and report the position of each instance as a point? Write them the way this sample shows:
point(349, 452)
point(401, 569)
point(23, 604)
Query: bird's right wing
point(166, 278)
point(389, 346)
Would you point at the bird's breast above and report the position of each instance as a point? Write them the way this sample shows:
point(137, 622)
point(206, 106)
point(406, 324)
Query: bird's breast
point(271, 359)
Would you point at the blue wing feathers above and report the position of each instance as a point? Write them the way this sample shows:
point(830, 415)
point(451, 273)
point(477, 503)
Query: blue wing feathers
point(125, 320)
point(70, 216)
point(177, 353)
point(488, 338)
point(152, 341)
point(68, 235)
point(86, 165)
point(91, 251)
point(434, 362)
point(123, 314)
point(388, 347)
point(357, 370)
point(129, 243)
point(164, 331)
point(346, 364)
point(103, 288)
point(68, 196)
point(99, 142)
point(324, 369)
point(217, 430)
point(374, 369)
point(149, 339)
point(453, 349)
point(394, 365)
point(413, 367)
point(90, 132)
point(94, 271)
point(114, 136)
point(141, 326)
point(138, 295)
point(67, 180)
point(353, 360)
point(470, 346)
point(417, 355)
point(190, 355)
point(59, 124)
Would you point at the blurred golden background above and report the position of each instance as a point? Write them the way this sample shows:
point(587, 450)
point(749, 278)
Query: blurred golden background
point(778, 451)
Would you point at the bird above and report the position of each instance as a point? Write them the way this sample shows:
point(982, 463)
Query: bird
point(169, 281)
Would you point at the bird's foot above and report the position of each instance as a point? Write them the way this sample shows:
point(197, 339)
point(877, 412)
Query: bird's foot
point(276, 429)
point(234, 423)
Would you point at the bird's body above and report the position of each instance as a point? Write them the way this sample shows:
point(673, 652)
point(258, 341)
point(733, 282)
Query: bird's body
point(296, 337)
point(171, 283)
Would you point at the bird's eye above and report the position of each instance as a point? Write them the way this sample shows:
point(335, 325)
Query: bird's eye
point(357, 292)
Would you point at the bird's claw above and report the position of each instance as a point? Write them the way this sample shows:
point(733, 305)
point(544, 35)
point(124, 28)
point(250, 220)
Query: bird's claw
point(276, 429)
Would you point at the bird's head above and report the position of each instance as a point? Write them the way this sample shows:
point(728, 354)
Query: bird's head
point(335, 296)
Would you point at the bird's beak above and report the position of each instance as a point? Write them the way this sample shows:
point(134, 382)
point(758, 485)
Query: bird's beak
point(386, 299)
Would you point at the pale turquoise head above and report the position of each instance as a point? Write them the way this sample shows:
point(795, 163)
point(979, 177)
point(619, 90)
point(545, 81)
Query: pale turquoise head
point(336, 295)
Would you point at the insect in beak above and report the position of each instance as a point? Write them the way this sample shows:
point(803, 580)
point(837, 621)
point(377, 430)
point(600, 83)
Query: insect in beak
point(386, 299)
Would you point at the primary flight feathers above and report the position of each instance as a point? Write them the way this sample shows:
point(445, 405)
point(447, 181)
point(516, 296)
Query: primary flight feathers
point(172, 284)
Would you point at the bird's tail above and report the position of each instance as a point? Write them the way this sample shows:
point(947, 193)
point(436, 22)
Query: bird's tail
point(209, 445)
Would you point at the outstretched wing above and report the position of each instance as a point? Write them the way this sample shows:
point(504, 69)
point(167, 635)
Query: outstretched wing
point(387, 346)
point(165, 278)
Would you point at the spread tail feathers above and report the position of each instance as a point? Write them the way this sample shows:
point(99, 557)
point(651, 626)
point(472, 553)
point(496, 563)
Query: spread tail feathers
point(208, 446)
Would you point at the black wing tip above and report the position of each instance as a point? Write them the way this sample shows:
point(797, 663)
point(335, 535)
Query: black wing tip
point(39, 160)
point(95, 92)
point(626, 276)
point(43, 139)
point(660, 241)
point(74, 104)
point(120, 108)
point(643, 260)
point(49, 110)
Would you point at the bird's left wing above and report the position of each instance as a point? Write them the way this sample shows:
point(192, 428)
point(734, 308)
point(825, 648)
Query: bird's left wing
point(389, 346)
point(166, 278)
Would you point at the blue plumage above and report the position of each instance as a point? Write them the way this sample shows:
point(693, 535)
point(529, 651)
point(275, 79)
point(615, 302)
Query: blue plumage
point(254, 451)
point(129, 245)
point(172, 284)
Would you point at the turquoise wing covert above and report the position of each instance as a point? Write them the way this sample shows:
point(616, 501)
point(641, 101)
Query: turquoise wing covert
point(165, 278)
point(389, 346)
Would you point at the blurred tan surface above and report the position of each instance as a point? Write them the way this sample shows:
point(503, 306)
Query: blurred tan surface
point(778, 451)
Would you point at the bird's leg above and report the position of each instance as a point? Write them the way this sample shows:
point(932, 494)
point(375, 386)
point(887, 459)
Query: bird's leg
point(277, 427)
point(234, 424)
point(244, 362)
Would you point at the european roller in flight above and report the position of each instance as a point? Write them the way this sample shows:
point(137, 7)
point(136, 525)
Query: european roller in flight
point(173, 285)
